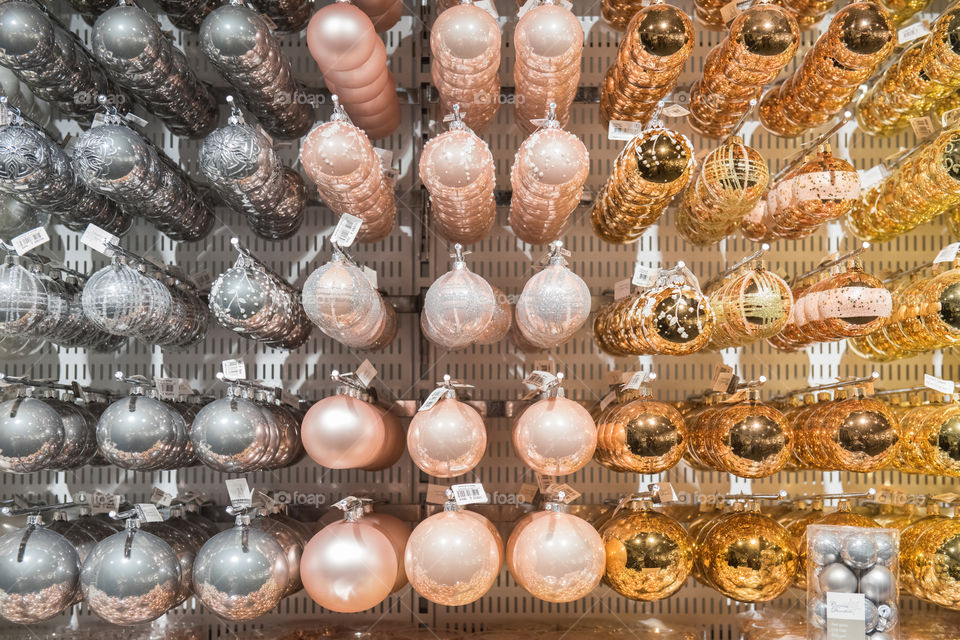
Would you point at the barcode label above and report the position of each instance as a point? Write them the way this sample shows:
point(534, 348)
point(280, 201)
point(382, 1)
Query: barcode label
point(569, 493)
point(674, 111)
point(939, 384)
point(624, 130)
point(366, 372)
point(160, 497)
point(102, 502)
point(922, 127)
point(239, 492)
point(234, 369)
point(636, 380)
point(167, 388)
point(644, 276)
point(911, 32)
point(98, 239)
point(729, 11)
point(544, 482)
point(346, 230)
point(948, 253)
point(433, 399)
point(873, 175)
point(371, 276)
point(621, 289)
point(32, 239)
point(472, 493)
point(149, 512)
point(540, 379)
point(722, 379)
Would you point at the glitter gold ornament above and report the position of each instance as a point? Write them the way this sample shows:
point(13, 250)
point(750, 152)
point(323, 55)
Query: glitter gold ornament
point(930, 560)
point(752, 304)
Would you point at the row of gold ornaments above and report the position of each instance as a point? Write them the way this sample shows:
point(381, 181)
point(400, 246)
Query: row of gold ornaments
point(925, 73)
point(925, 316)
point(860, 36)
point(925, 184)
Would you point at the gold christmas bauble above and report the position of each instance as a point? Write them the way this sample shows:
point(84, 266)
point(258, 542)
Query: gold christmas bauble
point(931, 564)
point(643, 436)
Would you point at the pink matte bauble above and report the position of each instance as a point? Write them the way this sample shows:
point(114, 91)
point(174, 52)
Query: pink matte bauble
point(349, 566)
point(453, 558)
point(357, 95)
point(447, 440)
point(370, 73)
point(341, 36)
point(457, 159)
point(382, 13)
point(343, 432)
point(466, 32)
point(555, 556)
point(549, 31)
point(393, 444)
point(555, 436)
point(399, 532)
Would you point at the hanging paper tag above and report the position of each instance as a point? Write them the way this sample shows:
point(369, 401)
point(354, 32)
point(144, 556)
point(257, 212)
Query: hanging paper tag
point(623, 130)
point(160, 497)
point(723, 379)
point(239, 492)
point(436, 494)
point(540, 379)
point(527, 493)
point(949, 119)
point(674, 111)
point(167, 388)
point(526, 6)
point(202, 279)
point(607, 399)
point(911, 32)
point(32, 239)
point(545, 365)
point(729, 11)
point(135, 119)
point(636, 380)
point(948, 253)
point(947, 387)
point(569, 493)
point(234, 369)
point(346, 230)
point(98, 239)
point(487, 5)
point(544, 482)
point(101, 502)
point(664, 491)
point(621, 289)
point(148, 512)
point(371, 276)
point(365, 373)
point(471, 493)
point(873, 175)
point(922, 127)
point(644, 276)
point(433, 399)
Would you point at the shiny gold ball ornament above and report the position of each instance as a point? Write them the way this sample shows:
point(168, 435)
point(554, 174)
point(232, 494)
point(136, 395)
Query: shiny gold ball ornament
point(860, 36)
point(617, 13)
point(649, 554)
point(753, 304)
point(651, 55)
point(747, 556)
point(651, 169)
point(930, 560)
point(641, 436)
point(931, 439)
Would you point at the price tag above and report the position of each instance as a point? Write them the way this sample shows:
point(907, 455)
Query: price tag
point(101, 502)
point(346, 230)
point(723, 379)
point(433, 399)
point(911, 32)
point(939, 385)
point(644, 276)
point(366, 372)
point(149, 512)
point(470, 493)
point(636, 380)
point(621, 289)
point(569, 493)
point(436, 494)
point(526, 6)
point(239, 492)
point(544, 482)
point(234, 369)
point(289, 399)
point(202, 279)
point(167, 388)
point(487, 5)
point(624, 130)
point(664, 490)
point(98, 239)
point(948, 253)
point(946, 497)
point(674, 111)
point(949, 119)
point(540, 379)
point(160, 497)
point(527, 493)
point(607, 399)
point(873, 175)
point(32, 239)
point(922, 127)
point(135, 119)
point(371, 276)
point(729, 11)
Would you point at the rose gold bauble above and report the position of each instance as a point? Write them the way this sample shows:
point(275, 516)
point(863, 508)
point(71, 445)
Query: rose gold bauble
point(556, 556)
point(447, 440)
point(398, 532)
point(555, 436)
point(454, 557)
point(349, 566)
point(344, 432)
point(382, 13)
point(394, 443)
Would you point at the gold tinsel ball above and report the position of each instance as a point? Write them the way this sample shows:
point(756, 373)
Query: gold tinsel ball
point(649, 555)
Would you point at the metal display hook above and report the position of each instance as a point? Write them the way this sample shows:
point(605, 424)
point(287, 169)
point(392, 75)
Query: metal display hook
point(831, 263)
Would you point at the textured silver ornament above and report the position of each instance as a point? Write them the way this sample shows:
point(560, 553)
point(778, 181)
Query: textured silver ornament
point(826, 548)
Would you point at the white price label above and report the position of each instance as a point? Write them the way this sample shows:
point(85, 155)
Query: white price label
point(911, 32)
point(105, 502)
point(540, 379)
point(729, 11)
point(674, 111)
point(873, 175)
point(239, 492)
point(234, 369)
point(470, 493)
point(949, 119)
point(636, 380)
point(433, 398)
point(346, 230)
point(366, 372)
point(948, 253)
point(371, 276)
point(32, 239)
point(135, 119)
point(845, 615)
point(544, 482)
point(167, 388)
point(98, 239)
point(149, 512)
point(644, 276)
point(623, 130)
point(939, 385)
point(722, 379)
point(621, 289)
point(160, 497)
point(526, 6)
point(663, 490)
point(922, 127)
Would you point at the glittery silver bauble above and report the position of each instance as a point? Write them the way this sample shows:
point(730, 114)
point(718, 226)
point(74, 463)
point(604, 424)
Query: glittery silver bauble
point(859, 551)
point(231, 434)
point(239, 294)
point(878, 584)
point(887, 618)
point(886, 549)
point(31, 435)
point(241, 573)
point(838, 578)
point(234, 152)
point(141, 433)
point(23, 299)
point(39, 574)
point(870, 616)
point(826, 548)
point(131, 577)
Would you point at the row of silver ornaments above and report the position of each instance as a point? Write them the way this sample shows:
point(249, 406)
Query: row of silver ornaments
point(119, 163)
point(46, 433)
point(42, 302)
point(242, 166)
point(289, 16)
point(253, 301)
point(50, 60)
point(238, 41)
point(150, 306)
point(37, 172)
point(130, 44)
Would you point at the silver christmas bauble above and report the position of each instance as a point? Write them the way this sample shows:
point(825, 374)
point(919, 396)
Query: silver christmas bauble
point(826, 548)
point(859, 551)
point(232, 153)
point(31, 435)
point(870, 616)
point(838, 578)
point(123, 34)
point(239, 294)
point(23, 299)
point(39, 574)
point(231, 434)
point(553, 305)
point(24, 32)
point(818, 613)
point(886, 549)
point(887, 618)
point(131, 577)
point(241, 573)
point(108, 154)
point(230, 31)
point(141, 433)
point(878, 584)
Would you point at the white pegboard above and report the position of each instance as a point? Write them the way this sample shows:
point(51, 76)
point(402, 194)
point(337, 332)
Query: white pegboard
point(411, 258)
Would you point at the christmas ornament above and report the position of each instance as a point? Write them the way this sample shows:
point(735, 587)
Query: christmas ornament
point(447, 438)
point(31, 435)
point(142, 433)
point(458, 306)
point(750, 304)
point(384, 14)
point(398, 532)
point(554, 303)
point(640, 435)
point(838, 578)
